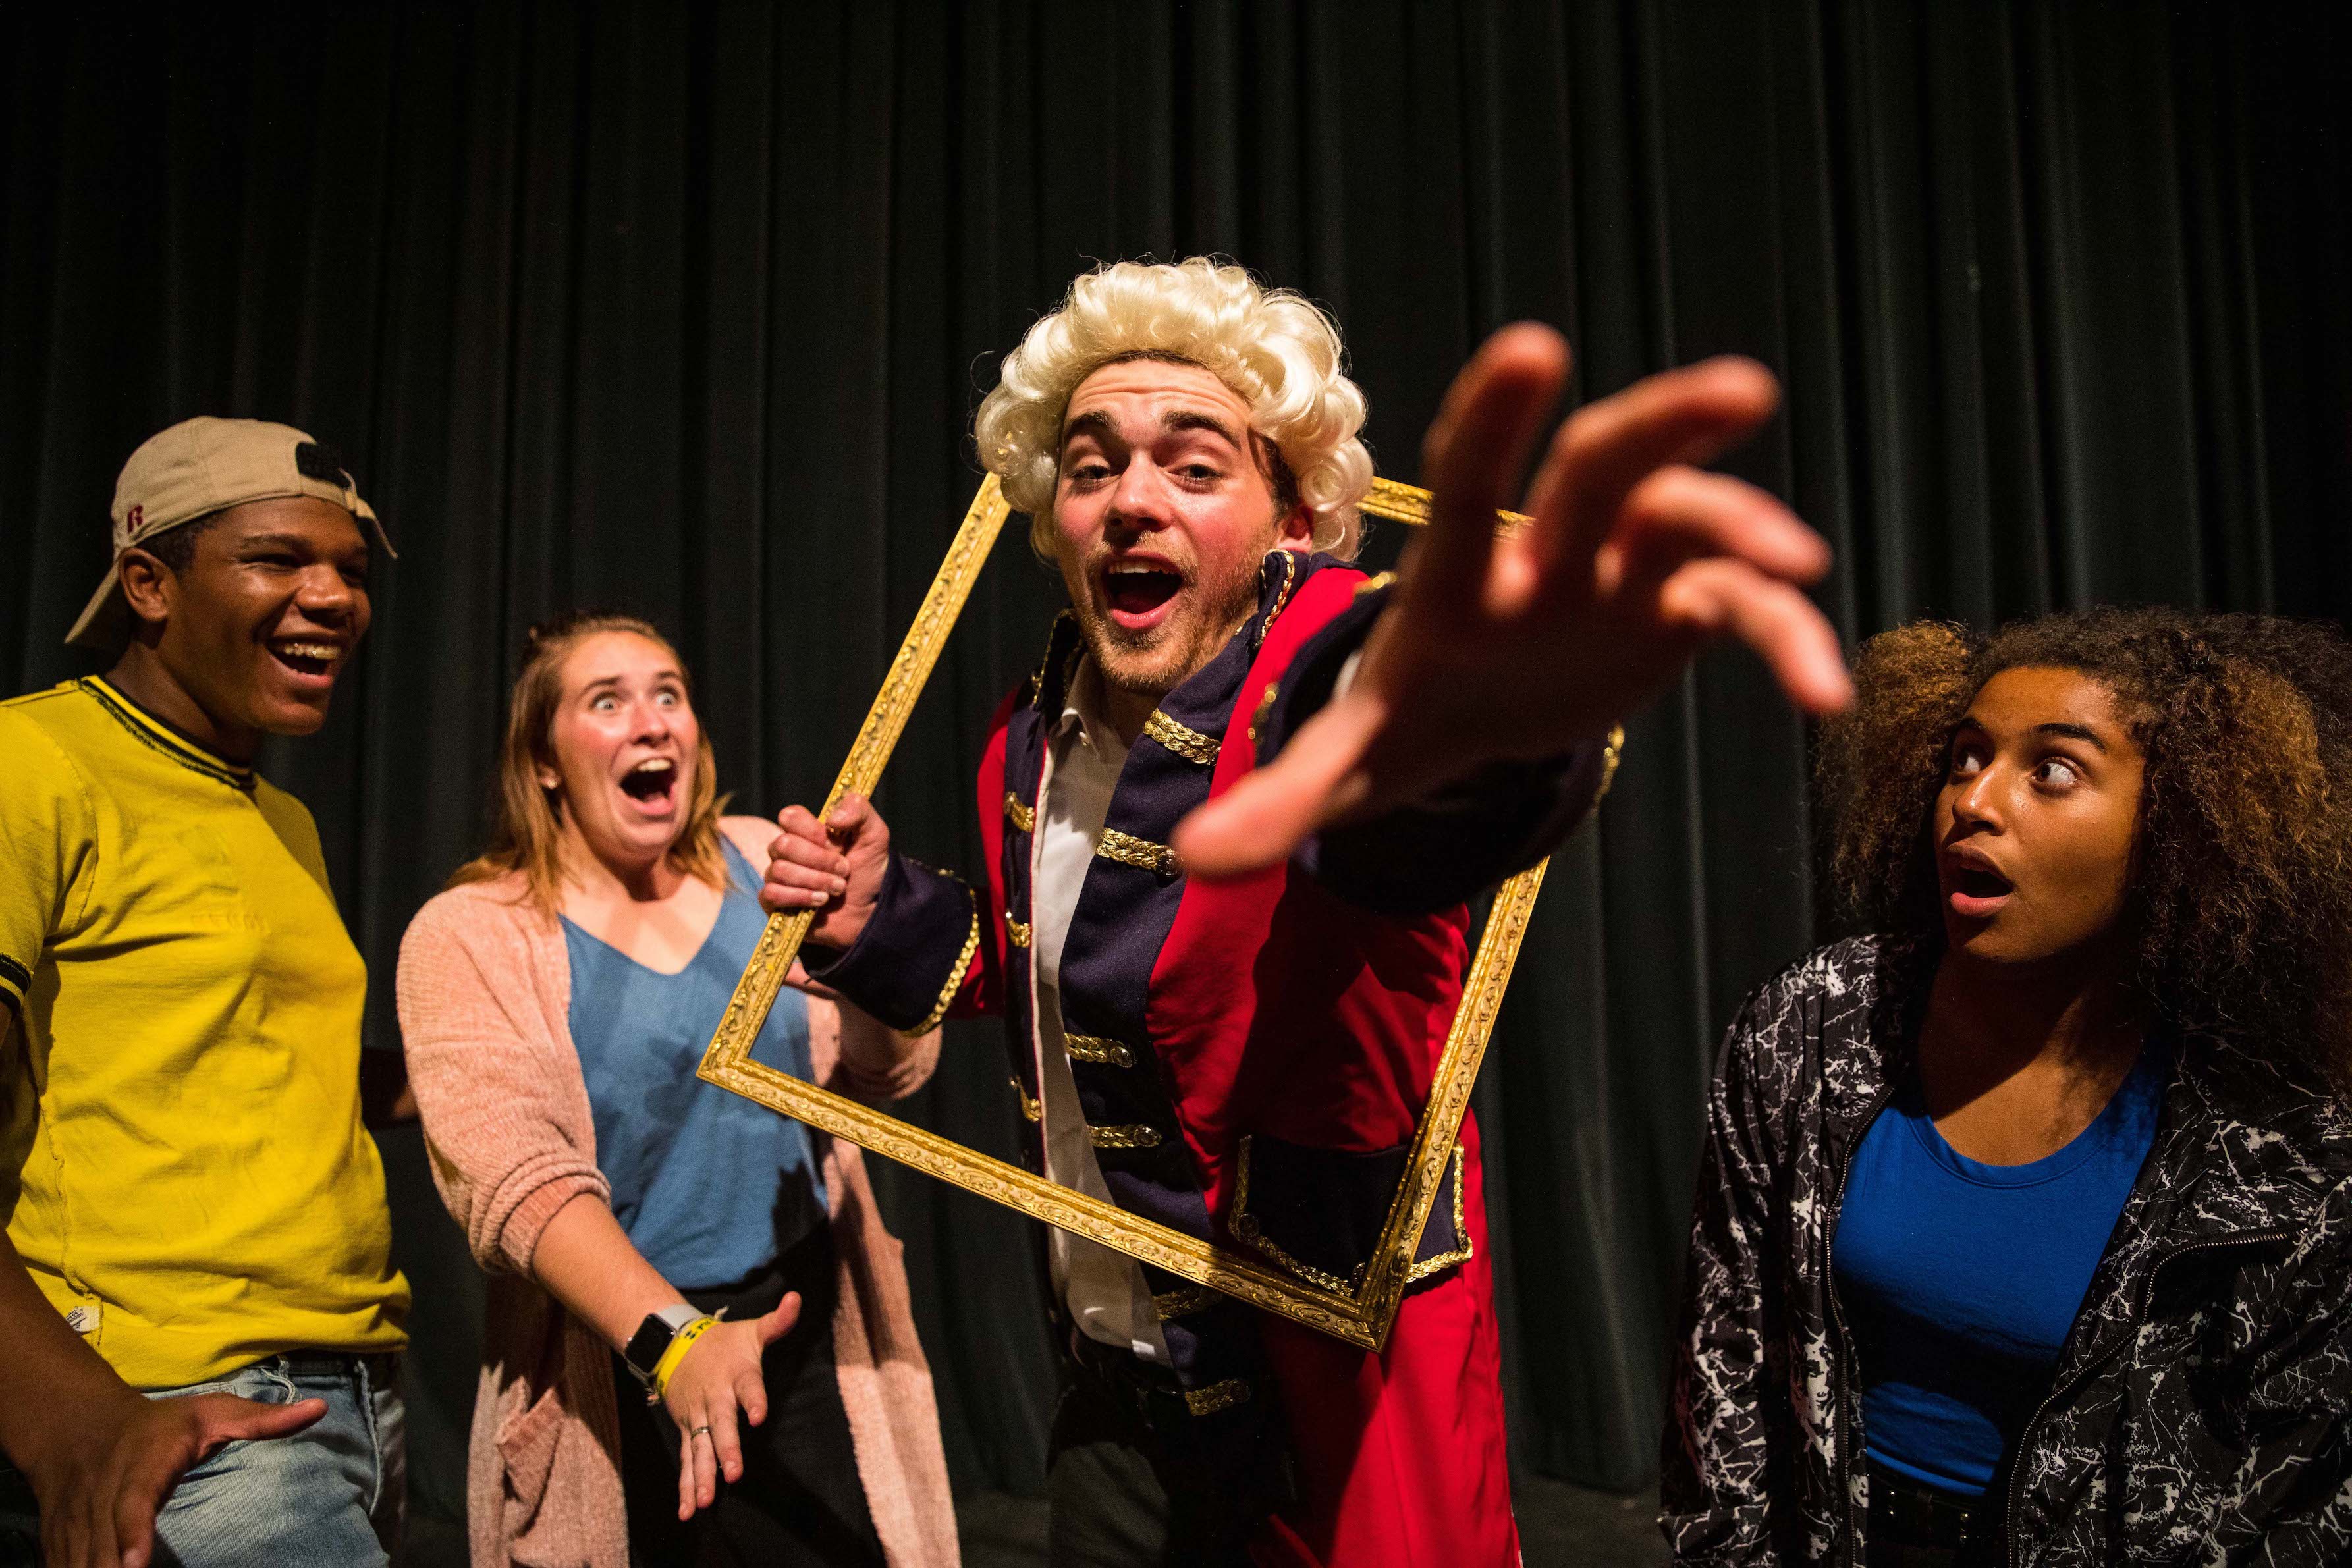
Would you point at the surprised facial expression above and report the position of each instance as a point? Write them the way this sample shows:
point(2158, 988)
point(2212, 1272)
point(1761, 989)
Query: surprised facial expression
point(1164, 510)
point(2035, 823)
point(623, 740)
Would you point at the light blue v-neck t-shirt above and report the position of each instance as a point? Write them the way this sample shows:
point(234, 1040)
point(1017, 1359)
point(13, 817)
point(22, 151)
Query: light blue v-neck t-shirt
point(709, 1186)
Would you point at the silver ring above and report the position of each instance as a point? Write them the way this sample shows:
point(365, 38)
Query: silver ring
point(701, 1432)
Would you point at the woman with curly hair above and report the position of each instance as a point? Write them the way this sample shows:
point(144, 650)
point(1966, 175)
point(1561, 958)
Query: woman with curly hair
point(2024, 1227)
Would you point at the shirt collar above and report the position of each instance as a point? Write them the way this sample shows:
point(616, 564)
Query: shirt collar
point(1082, 712)
point(164, 736)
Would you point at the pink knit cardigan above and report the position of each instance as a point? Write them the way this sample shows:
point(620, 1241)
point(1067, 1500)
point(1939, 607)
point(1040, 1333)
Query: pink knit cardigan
point(484, 994)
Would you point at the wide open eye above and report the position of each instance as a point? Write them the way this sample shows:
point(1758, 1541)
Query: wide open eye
point(2056, 773)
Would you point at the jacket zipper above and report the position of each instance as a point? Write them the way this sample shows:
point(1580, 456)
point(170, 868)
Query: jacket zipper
point(2016, 1488)
point(1848, 1428)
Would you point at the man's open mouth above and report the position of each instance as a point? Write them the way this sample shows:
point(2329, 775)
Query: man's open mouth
point(650, 782)
point(306, 657)
point(1139, 589)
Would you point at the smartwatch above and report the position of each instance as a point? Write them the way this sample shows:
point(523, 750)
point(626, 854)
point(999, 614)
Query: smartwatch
point(652, 1338)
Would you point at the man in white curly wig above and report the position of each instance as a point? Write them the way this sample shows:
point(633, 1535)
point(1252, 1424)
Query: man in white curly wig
point(1232, 822)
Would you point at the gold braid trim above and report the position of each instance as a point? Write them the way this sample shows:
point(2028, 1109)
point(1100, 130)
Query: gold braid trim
point(955, 975)
point(1217, 1397)
point(1029, 1108)
point(1022, 817)
point(1134, 1135)
point(1289, 576)
point(1094, 1047)
point(1244, 1224)
point(1185, 742)
point(1183, 1303)
point(1129, 850)
point(1016, 932)
point(1460, 1253)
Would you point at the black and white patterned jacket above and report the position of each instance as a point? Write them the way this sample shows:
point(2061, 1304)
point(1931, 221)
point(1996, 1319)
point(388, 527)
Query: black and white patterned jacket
point(2199, 1409)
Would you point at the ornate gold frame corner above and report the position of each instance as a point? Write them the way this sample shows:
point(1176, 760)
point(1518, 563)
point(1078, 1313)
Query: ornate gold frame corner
point(1361, 1316)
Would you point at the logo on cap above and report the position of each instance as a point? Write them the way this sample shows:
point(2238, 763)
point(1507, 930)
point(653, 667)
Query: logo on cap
point(138, 515)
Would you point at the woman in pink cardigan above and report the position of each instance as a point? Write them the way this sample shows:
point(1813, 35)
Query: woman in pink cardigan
point(722, 1269)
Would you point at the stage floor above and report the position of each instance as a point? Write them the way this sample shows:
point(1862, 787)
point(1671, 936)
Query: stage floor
point(1560, 1526)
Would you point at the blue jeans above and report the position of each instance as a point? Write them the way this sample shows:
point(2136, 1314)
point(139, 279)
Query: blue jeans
point(333, 1494)
point(330, 1496)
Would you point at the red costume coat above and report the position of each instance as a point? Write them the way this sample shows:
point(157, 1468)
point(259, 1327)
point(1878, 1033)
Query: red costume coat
point(1268, 1023)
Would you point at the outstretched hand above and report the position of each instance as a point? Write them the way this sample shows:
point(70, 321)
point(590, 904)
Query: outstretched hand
point(719, 1379)
point(1519, 646)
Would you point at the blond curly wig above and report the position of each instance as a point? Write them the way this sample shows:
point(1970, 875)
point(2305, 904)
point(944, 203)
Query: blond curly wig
point(1275, 349)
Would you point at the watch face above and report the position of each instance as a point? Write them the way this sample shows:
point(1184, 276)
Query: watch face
point(645, 1346)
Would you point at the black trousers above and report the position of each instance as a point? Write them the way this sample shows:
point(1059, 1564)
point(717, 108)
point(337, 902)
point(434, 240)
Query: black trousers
point(1125, 1489)
point(800, 1503)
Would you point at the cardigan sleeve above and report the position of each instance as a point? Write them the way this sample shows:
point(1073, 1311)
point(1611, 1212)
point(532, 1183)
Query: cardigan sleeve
point(497, 1085)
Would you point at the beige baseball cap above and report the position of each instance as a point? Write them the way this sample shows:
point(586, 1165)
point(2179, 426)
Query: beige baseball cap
point(200, 467)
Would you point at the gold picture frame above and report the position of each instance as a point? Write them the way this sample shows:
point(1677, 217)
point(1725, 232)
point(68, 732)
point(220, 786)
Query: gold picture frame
point(1361, 1316)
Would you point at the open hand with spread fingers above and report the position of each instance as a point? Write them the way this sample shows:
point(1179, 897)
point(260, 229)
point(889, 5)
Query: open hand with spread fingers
point(718, 1388)
point(1521, 645)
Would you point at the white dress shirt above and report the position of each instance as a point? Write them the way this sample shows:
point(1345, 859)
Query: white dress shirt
point(1103, 1289)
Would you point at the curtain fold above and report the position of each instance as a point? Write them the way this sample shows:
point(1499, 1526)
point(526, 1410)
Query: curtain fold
point(684, 309)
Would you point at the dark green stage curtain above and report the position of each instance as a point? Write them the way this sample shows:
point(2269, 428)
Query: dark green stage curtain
point(684, 309)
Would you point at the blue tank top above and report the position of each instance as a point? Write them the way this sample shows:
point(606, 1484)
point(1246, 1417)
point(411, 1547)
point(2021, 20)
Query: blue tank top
point(709, 1186)
point(1961, 1280)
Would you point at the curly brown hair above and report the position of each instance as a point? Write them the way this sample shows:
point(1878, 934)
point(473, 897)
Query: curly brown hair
point(2241, 878)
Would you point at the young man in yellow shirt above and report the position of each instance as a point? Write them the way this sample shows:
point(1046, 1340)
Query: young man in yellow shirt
point(198, 1311)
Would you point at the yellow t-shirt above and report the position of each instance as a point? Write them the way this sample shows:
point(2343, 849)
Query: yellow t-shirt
point(181, 1162)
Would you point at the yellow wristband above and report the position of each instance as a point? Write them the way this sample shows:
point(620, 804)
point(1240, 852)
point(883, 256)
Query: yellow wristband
point(680, 1343)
